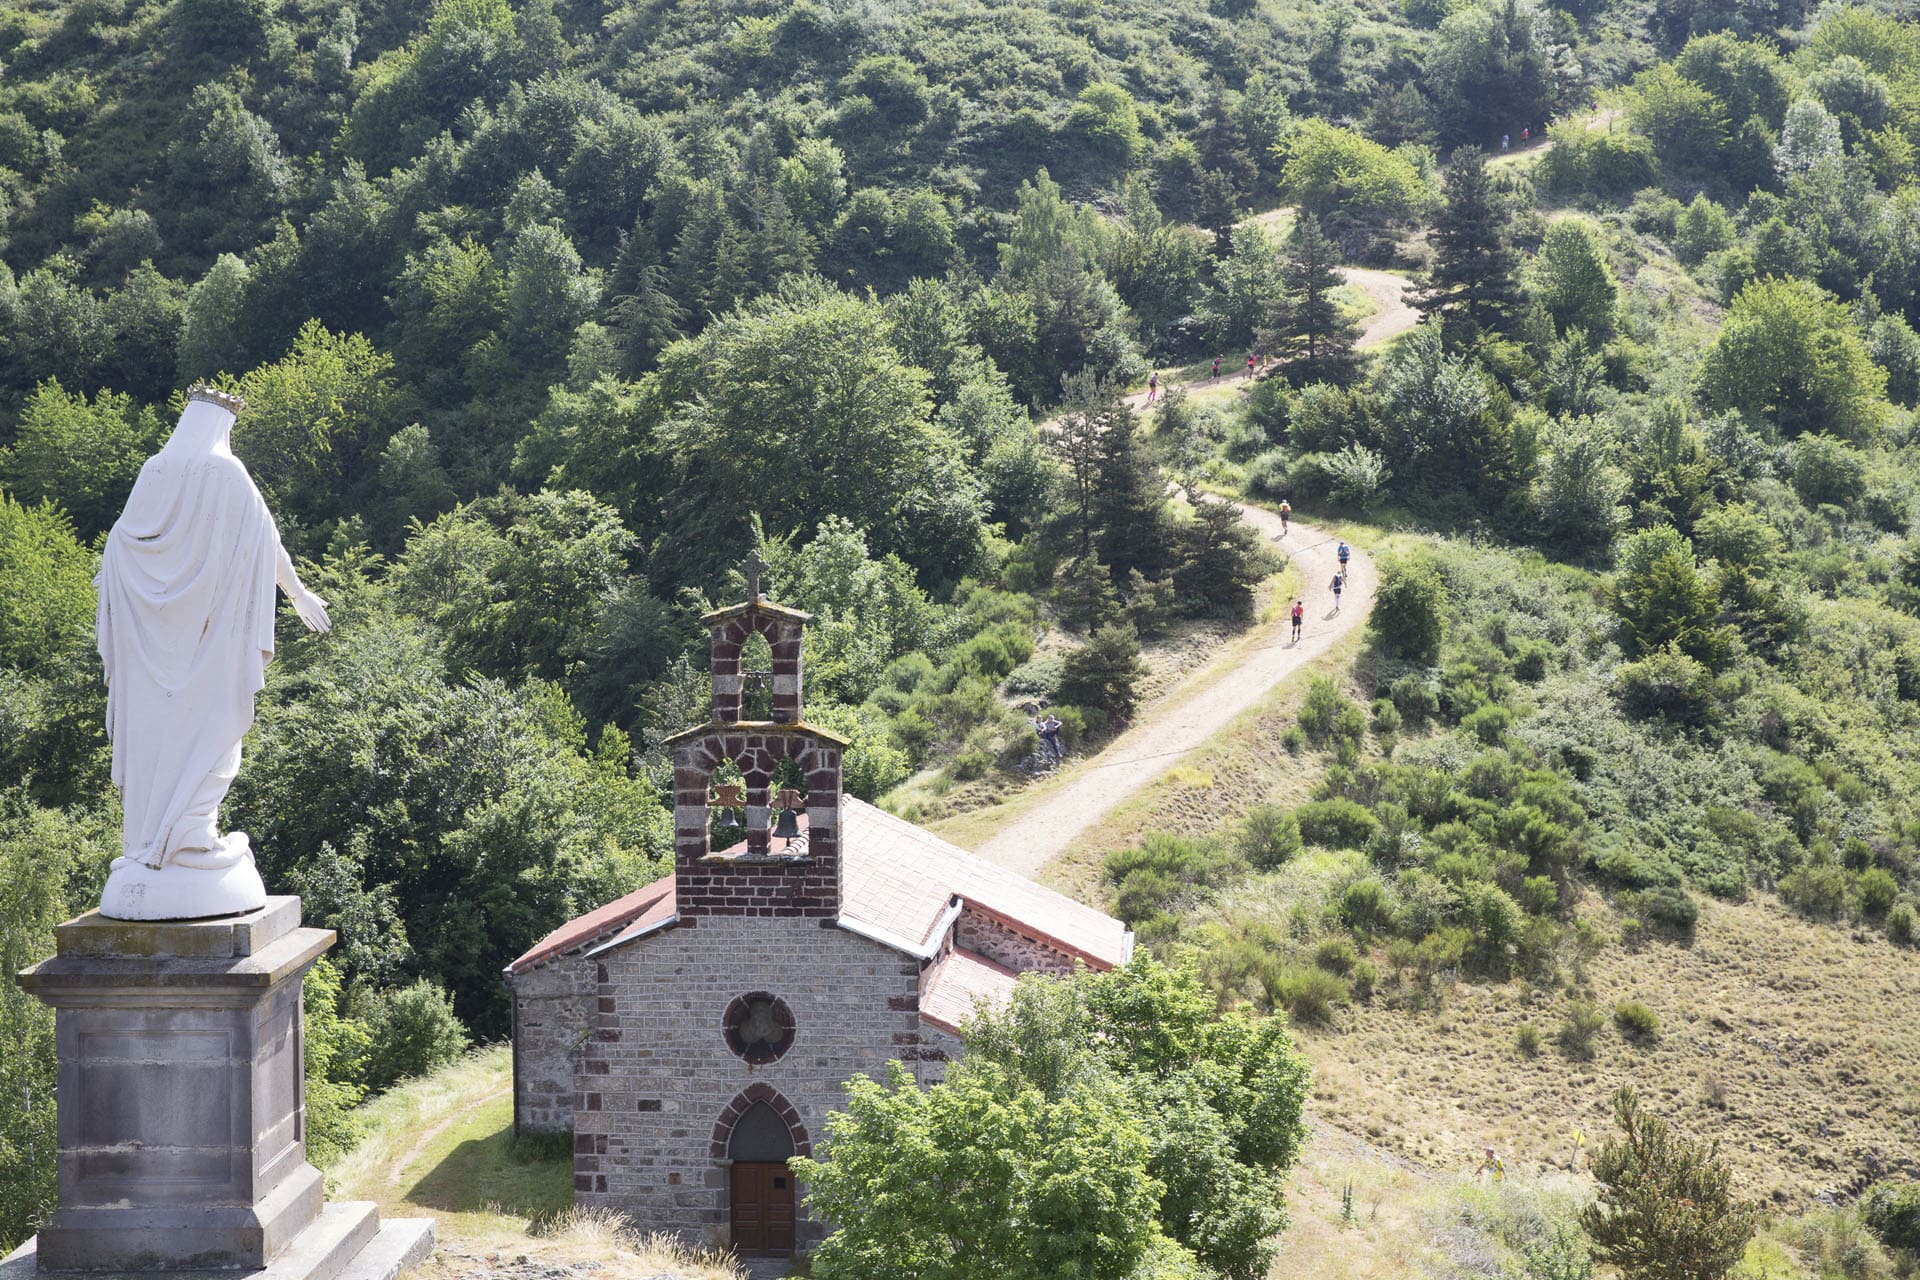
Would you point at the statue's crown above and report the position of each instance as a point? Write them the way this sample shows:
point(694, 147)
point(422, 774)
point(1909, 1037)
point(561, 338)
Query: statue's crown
point(214, 396)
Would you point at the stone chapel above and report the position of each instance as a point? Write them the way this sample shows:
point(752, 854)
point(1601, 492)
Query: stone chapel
point(694, 1035)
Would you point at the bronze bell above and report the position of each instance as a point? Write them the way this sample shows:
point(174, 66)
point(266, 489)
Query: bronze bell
point(788, 828)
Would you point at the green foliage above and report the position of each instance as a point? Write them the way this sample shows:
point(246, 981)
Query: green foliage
point(798, 407)
point(410, 1032)
point(51, 867)
point(1577, 1029)
point(1666, 1208)
point(1571, 279)
point(1101, 673)
point(336, 1048)
point(1349, 181)
point(1408, 609)
point(1892, 1211)
point(1132, 1130)
point(1635, 1020)
point(47, 609)
point(1790, 357)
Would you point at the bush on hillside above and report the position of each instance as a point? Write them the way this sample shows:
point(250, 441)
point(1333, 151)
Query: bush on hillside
point(1408, 607)
point(412, 1031)
point(1892, 1212)
point(1635, 1020)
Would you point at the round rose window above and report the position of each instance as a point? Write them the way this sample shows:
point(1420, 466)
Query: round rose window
point(759, 1027)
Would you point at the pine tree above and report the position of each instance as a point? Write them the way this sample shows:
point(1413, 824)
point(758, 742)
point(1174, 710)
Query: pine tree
point(1473, 275)
point(1317, 337)
point(1666, 1209)
point(1130, 506)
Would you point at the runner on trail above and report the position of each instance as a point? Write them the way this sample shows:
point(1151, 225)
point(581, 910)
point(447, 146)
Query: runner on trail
point(1339, 585)
point(1299, 616)
point(1286, 513)
point(1249, 364)
point(1343, 553)
point(1492, 1165)
point(1153, 385)
point(1216, 366)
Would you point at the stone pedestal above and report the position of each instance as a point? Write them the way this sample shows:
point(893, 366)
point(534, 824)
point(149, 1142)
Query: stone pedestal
point(182, 1129)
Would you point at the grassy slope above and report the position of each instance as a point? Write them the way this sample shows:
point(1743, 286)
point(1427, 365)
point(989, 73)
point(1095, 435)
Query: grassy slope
point(443, 1147)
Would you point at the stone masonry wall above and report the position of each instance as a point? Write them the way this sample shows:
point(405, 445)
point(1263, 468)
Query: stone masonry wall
point(1002, 944)
point(659, 1087)
point(553, 1018)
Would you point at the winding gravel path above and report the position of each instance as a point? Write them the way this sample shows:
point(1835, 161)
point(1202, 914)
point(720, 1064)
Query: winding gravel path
point(1093, 788)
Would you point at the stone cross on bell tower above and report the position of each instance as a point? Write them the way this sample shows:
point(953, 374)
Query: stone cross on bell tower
point(753, 566)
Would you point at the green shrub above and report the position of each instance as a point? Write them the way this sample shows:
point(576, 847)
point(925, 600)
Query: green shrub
point(1386, 717)
point(1578, 1028)
point(1320, 709)
point(1365, 905)
point(1892, 1212)
point(1817, 888)
point(1415, 698)
point(1635, 1020)
point(413, 1030)
point(1294, 739)
point(1539, 895)
point(1163, 869)
point(1903, 923)
point(1336, 955)
point(1877, 889)
point(1337, 823)
point(1664, 904)
point(1527, 1040)
point(1269, 836)
point(1102, 672)
point(1489, 724)
point(1408, 608)
point(1667, 685)
point(1308, 994)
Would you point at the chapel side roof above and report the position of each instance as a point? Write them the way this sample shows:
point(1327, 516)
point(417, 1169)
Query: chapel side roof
point(900, 878)
point(960, 979)
point(639, 909)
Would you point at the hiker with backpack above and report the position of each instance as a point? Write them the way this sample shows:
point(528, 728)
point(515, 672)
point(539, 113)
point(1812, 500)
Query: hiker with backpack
point(1343, 552)
point(1339, 585)
point(1286, 513)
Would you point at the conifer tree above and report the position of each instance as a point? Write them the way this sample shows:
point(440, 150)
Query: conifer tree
point(1666, 1209)
point(1130, 505)
point(1472, 279)
point(1319, 339)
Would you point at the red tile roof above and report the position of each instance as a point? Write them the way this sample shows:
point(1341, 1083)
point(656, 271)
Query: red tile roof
point(639, 909)
point(959, 981)
point(897, 880)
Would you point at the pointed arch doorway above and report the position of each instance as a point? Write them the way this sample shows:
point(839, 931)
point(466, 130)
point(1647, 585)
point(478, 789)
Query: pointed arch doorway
point(762, 1202)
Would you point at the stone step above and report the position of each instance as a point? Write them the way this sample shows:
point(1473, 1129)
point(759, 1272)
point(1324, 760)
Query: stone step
point(346, 1242)
point(402, 1243)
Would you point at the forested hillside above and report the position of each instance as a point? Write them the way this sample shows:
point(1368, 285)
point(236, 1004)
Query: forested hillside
point(546, 313)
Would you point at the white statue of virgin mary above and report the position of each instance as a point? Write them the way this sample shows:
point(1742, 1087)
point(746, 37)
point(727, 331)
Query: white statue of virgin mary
point(185, 628)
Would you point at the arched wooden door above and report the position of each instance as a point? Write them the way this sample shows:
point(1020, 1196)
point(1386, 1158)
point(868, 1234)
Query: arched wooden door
point(762, 1204)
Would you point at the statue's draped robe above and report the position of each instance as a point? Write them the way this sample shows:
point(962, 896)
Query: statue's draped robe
point(186, 630)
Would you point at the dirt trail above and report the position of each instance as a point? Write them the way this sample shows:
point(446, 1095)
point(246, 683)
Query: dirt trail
point(1094, 787)
point(1145, 751)
point(1389, 294)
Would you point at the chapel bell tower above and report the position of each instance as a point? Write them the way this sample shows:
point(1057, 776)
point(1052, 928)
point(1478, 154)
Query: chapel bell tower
point(800, 877)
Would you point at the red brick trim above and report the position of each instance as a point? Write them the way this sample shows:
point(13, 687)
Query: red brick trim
point(759, 1092)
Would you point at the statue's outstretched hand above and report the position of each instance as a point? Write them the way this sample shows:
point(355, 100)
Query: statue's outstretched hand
point(312, 610)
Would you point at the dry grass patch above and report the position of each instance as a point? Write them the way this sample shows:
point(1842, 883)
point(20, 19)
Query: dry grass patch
point(1794, 1045)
